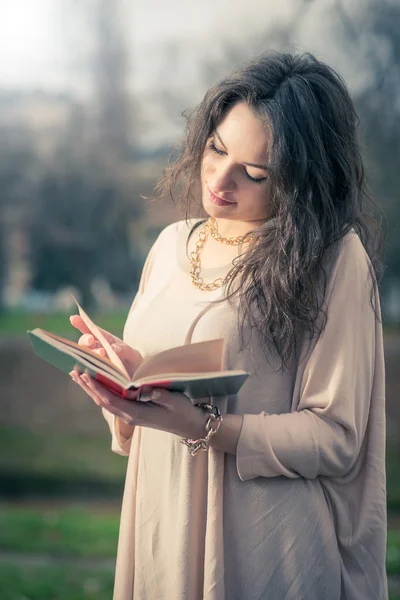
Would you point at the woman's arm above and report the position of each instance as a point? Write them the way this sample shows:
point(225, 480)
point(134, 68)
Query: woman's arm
point(324, 435)
point(121, 432)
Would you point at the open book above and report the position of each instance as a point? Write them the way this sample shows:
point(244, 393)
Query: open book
point(194, 369)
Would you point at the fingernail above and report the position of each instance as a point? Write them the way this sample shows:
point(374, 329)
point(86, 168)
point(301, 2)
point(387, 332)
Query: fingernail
point(155, 394)
point(117, 349)
point(85, 378)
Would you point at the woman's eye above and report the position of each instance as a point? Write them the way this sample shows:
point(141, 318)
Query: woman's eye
point(214, 148)
point(254, 179)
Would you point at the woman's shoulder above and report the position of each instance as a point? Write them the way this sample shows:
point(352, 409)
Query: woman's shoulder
point(351, 252)
point(350, 267)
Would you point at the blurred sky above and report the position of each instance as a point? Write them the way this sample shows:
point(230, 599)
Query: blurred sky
point(42, 41)
point(34, 34)
point(50, 45)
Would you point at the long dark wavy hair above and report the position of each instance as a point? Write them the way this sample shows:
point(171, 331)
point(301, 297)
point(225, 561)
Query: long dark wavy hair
point(318, 190)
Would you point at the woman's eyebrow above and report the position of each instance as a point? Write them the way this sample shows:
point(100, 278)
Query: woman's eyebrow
point(263, 167)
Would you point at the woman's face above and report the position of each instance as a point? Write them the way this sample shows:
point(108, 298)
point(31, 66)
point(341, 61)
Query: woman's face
point(234, 178)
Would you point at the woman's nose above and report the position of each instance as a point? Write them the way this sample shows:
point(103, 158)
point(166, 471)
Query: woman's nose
point(222, 180)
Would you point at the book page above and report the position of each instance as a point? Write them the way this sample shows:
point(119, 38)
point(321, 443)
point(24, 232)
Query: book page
point(95, 331)
point(200, 357)
point(182, 377)
point(102, 362)
point(63, 355)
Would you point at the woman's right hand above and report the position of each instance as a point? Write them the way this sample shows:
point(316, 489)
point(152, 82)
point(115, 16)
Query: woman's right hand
point(129, 356)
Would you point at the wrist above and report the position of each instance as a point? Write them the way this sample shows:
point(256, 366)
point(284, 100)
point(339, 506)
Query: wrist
point(228, 437)
point(213, 423)
point(198, 426)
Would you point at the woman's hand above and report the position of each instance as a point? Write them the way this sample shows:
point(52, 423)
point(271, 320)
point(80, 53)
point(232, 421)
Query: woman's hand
point(167, 411)
point(129, 356)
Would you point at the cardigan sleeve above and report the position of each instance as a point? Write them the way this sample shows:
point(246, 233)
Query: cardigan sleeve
point(324, 434)
point(121, 432)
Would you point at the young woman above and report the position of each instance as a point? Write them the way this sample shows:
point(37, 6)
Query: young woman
point(288, 500)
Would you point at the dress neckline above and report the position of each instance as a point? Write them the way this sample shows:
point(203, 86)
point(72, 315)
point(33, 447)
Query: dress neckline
point(183, 257)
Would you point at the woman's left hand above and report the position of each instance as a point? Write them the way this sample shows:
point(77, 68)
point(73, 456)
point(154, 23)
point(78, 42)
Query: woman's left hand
point(166, 411)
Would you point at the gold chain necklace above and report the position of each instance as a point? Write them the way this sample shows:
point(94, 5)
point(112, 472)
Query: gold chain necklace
point(232, 241)
point(210, 228)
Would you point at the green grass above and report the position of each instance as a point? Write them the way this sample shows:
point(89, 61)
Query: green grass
point(88, 531)
point(76, 533)
point(63, 531)
point(393, 476)
point(18, 322)
point(393, 553)
point(60, 583)
point(55, 465)
point(61, 455)
point(28, 456)
point(54, 583)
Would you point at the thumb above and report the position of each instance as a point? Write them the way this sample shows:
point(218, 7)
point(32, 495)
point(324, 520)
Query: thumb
point(78, 322)
point(131, 357)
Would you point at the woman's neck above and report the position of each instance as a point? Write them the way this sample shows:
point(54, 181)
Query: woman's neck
point(233, 228)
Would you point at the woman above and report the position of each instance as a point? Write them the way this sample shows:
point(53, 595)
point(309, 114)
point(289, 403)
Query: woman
point(288, 500)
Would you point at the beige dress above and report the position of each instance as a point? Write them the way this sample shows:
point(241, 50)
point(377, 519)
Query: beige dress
point(300, 512)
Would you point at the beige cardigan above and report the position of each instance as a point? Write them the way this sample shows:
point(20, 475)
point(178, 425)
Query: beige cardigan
point(300, 512)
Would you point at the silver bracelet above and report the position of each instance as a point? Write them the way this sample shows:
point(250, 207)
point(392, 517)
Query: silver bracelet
point(194, 446)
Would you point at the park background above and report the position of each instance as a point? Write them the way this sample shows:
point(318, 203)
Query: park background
point(91, 100)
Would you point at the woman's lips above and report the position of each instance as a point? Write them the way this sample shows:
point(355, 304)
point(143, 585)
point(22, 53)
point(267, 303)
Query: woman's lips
point(216, 200)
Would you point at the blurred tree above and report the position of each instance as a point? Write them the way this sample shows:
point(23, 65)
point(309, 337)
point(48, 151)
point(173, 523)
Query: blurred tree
point(19, 173)
point(80, 233)
point(87, 199)
point(110, 68)
point(371, 36)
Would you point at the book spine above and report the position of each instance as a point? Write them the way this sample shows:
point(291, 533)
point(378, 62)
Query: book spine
point(120, 391)
point(111, 385)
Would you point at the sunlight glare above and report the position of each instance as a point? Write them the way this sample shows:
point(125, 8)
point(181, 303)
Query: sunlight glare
point(27, 38)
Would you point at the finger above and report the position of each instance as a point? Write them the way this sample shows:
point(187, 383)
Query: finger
point(109, 400)
point(132, 394)
point(159, 396)
point(100, 390)
point(109, 397)
point(149, 394)
point(78, 322)
point(94, 347)
point(86, 340)
point(100, 351)
point(78, 379)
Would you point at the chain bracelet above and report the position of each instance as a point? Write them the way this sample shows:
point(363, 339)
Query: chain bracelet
point(195, 446)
